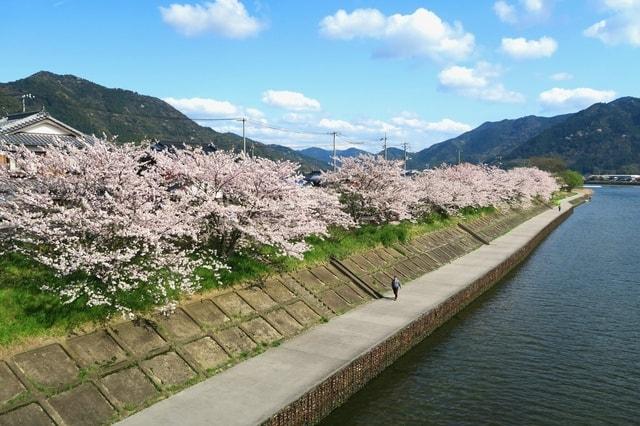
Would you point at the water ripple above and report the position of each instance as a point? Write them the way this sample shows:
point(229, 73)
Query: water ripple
point(557, 343)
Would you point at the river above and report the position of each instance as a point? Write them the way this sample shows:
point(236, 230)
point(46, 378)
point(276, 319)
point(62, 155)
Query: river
point(557, 342)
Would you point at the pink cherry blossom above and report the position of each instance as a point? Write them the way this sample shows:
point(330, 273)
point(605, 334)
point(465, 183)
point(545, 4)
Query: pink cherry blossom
point(373, 189)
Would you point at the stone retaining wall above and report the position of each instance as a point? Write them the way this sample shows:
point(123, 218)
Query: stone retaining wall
point(108, 374)
point(316, 404)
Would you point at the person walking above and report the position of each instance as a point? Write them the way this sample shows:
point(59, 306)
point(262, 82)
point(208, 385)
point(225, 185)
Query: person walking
point(395, 286)
point(559, 207)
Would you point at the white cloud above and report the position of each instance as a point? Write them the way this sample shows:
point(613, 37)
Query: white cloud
point(203, 107)
point(225, 18)
point(212, 108)
point(622, 27)
point(533, 5)
point(359, 128)
point(361, 23)
point(420, 34)
point(478, 82)
point(340, 125)
point(521, 48)
point(574, 99)
point(621, 4)
point(527, 10)
point(561, 76)
point(406, 126)
point(446, 125)
point(254, 113)
point(462, 77)
point(296, 117)
point(293, 101)
point(505, 12)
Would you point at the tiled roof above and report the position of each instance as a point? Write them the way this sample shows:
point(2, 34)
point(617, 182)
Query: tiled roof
point(39, 141)
point(17, 122)
point(8, 125)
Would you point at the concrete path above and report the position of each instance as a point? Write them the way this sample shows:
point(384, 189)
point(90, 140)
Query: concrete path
point(254, 390)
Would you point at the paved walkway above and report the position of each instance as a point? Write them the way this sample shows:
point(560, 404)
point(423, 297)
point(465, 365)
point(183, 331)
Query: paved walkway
point(254, 390)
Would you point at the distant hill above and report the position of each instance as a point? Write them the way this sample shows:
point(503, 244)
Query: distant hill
point(324, 155)
point(604, 138)
point(98, 110)
point(395, 153)
point(485, 143)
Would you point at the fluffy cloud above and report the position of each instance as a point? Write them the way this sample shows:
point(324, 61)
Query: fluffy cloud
point(505, 12)
point(462, 77)
point(478, 82)
point(293, 101)
point(622, 27)
point(533, 5)
point(521, 48)
point(527, 10)
point(362, 128)
point(212, 108)
point(203, 107)
point(420, 34)
point(446, 125)
point(574, 99)
point(360, 23)
point(403, 127)
point(225, 18)
point(561, 76)
point(341, 125)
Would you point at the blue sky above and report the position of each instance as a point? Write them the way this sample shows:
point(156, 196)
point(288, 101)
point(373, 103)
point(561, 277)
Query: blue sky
point(423, 71)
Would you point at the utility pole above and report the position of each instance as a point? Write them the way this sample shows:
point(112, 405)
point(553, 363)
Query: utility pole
point(244, 139)
point(459, 151)
point(404, 145)
point(334, 150)
point(24, 98)
point(385, 144)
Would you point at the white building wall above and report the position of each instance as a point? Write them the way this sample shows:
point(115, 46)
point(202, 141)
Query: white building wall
point(46, 128)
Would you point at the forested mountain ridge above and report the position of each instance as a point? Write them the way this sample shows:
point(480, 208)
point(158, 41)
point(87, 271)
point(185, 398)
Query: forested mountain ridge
point(95, 109)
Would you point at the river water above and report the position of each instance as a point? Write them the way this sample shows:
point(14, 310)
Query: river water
point(556, 343)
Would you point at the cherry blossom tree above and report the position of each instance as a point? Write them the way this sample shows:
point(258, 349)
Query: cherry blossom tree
point(243, 202)
point(529, 183)
point(449, 189)
point(372, 189)
point(101, 217)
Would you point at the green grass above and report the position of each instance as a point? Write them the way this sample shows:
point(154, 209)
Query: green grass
point(26, 312)
point(561, 195)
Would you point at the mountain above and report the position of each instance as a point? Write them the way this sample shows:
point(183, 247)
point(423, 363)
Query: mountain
point(484, 143)
point(95, 109)
point(394, 153)
point(324, 155)
point(604, 138)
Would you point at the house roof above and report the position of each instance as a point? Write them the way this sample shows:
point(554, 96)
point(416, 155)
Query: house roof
point(17, 122)
point(39, 142)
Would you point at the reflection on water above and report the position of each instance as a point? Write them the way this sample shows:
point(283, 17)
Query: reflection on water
point(558, 342)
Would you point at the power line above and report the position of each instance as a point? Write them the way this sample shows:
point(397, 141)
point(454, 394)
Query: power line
point(286, 130)
point(243, 120)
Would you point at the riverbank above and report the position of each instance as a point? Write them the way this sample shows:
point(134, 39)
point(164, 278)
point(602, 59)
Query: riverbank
point(554, 343)
point(127, 366)
point(308, 376)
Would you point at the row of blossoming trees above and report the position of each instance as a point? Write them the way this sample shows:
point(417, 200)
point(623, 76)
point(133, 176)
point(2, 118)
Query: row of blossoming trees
point(127, 227)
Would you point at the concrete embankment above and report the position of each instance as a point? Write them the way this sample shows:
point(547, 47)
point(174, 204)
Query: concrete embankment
point(122, 368)
point(306, 377)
